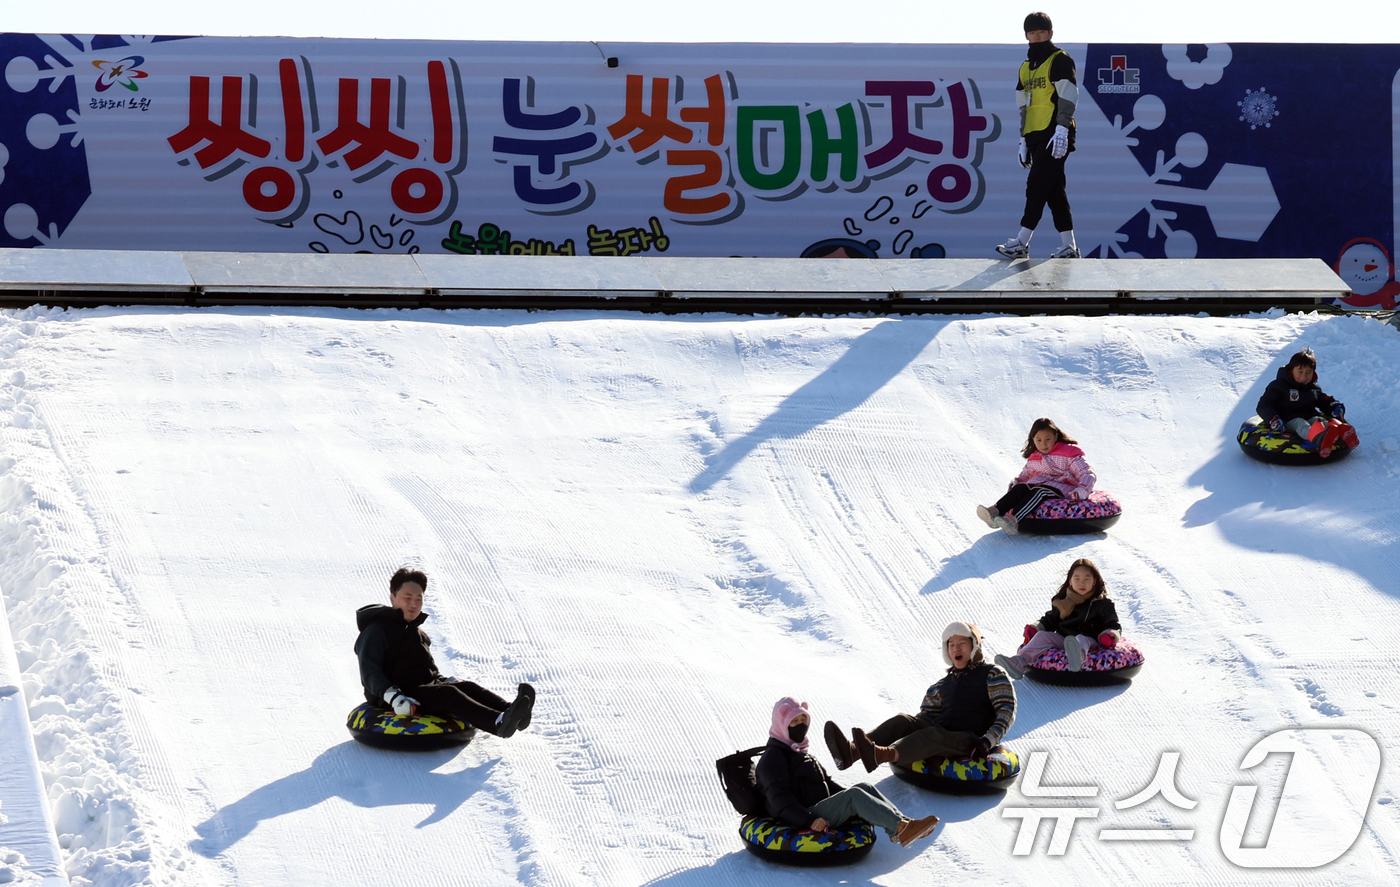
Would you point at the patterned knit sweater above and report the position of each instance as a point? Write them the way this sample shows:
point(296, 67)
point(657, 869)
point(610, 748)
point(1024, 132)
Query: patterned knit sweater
point(999, 691)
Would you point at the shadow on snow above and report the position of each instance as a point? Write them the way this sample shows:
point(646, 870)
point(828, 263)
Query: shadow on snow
point(1326, 513)
point(873, 359)
point(363, 776)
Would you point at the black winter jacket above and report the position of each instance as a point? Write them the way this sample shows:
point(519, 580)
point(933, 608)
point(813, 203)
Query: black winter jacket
point(967, 707)
point(1288, 399)
point(791, 783)
point(1091, 618)
point(392, 652)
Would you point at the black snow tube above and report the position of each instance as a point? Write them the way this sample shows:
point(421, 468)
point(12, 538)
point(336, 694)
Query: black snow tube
point(1261, 442)
point(381, 728)
point(775, 841)
point(963, 776)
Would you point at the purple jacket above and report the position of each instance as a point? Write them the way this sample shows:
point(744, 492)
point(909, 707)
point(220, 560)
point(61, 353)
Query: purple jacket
point(1063, 468)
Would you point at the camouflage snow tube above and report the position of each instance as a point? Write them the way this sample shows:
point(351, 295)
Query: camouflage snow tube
point(775, 841)
point(964, 776)
point(381, 728)
point(1261, 442)
point(1057, 517)
point(1102, 668)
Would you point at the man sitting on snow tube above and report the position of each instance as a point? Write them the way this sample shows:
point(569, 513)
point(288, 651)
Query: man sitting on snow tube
point(798, 793)
point(963, 715)
point(1294, 402)
point(397, 668)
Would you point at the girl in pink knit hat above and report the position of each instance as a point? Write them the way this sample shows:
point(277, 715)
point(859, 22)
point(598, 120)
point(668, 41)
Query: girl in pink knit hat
point(799, 792)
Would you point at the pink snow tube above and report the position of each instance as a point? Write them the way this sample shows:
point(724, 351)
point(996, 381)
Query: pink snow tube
point(1105, 665)
point(1059, 516)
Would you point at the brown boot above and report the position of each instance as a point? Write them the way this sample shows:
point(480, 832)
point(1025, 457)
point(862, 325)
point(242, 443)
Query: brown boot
point(843, 751)
point(911, 830)
point(872, 755)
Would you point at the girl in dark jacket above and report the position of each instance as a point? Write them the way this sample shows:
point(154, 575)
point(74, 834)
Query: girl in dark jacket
point(1081, 617)
point(799, 792)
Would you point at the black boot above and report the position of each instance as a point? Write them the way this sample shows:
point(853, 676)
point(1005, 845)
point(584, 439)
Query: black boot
point(517, 714)
point(843, 751)
point(526, 688)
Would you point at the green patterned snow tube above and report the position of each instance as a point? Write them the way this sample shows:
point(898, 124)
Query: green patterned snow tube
point(964, 776)
point(381, 728)
point(773, 840)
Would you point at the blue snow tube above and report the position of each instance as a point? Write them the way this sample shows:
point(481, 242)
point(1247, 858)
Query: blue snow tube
point(963, 776)
point(381, 728)
point(775, 841)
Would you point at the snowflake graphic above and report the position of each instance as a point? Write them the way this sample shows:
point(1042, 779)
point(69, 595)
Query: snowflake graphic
point(1240, 201)
point(1258, 108)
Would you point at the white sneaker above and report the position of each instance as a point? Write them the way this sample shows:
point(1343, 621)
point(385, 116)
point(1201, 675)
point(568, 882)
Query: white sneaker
point(1015, 249)
point(1014, 665)
point(1074, 654)
point(1006, 524)
point(987, 515)
point(1066, 252)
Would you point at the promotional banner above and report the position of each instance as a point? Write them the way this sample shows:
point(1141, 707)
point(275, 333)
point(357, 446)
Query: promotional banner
point(874, 151)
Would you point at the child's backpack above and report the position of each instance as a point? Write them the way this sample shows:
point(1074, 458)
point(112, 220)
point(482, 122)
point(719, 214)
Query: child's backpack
point(736, 774)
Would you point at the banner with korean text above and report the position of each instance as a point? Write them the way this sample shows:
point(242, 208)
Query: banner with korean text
point(843, 150)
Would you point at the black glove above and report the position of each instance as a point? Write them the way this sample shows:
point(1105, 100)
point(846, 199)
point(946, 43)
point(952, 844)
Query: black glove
point(1339, 410)
point(1276, 424)
point(981, 749)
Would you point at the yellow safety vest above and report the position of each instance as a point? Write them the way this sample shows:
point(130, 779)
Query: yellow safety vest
point(1040, 94)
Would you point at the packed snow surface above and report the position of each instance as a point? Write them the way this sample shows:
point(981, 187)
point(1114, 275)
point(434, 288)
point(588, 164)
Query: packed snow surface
point(665, 525)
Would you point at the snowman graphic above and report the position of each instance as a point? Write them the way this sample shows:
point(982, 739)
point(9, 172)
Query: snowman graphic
point(1367, 269)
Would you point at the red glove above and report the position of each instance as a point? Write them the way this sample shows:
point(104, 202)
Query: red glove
point(1028, 634)
point(1108, 639)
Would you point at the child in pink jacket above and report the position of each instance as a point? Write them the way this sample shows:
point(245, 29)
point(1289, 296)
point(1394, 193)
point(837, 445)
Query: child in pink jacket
point(1055, 469)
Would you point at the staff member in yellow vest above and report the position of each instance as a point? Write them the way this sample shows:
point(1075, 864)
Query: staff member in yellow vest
point(1046, 92)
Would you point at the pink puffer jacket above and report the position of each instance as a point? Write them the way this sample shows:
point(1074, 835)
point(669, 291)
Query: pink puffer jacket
point(1063, 468)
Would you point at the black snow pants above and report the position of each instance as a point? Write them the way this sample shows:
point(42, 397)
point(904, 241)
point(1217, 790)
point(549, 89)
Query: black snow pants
point(463, 700)
point(1022, 500)
point(1046, 185)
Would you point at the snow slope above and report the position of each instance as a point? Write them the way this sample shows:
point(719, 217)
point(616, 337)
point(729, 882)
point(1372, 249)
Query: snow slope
point(665, 525)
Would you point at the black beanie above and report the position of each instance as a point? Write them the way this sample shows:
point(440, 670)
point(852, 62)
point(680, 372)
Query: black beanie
point(1037, 21)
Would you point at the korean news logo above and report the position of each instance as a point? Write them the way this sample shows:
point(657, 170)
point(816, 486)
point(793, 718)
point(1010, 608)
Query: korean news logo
point(1321, 809)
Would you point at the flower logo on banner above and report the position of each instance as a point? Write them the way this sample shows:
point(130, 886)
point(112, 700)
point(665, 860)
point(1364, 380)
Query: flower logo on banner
point(122, 73)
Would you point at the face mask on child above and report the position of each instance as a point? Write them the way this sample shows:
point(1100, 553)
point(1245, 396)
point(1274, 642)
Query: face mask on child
point(797, 733)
